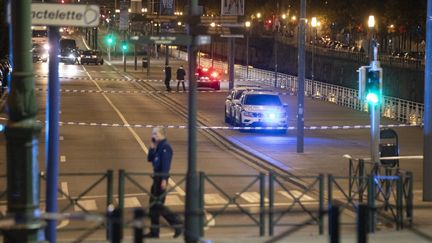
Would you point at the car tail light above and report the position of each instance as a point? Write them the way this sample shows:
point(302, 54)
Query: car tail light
point(214, 74)
point(205, 69)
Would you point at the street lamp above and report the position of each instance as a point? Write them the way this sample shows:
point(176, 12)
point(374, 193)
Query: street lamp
point(284, 16)
point(371, 25)
point(314, 24)
point(247, 26)
point(258, 15)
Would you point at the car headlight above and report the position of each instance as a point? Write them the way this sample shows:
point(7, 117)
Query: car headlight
point(46, 46)
point(45, 55)
point(71, 56)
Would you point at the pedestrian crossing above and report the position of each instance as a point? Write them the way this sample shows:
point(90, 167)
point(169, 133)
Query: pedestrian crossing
point(174, 199)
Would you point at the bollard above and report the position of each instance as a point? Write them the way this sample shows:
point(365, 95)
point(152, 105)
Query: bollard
point(138, 225)
point(114, 224)
point(371, 204)
point(334, 224)
point(362, 223)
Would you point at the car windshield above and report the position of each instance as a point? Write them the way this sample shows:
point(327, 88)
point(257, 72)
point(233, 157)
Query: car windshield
point(262, 99)
point(238, 94)
point(89, 53)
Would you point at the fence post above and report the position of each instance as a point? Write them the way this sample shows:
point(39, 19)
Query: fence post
point(351, 178)
point(321, 204)
point(362, 223)
point(371, 203)
point(334, 224)
point(202, 219)
point(115, 224)
point(271, 202)
point(109, 193)
point(361, 178)
point(330, 190)
point(399, 203)
point(262, 203)
point(138, 225)
point(410, 197)
point(121, 195)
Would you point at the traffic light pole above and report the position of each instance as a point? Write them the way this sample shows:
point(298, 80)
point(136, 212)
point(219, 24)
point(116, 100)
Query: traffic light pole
point(21, 133)
point(375, 113)
point(192, 212)
point(427, 129)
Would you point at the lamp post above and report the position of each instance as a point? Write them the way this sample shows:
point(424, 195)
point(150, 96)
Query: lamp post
point(247, 25)
point(213, 25)
point(371, 25)
point(314, 24)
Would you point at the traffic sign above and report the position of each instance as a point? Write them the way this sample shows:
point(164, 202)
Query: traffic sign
point(53, 14)
point(124, 15)
point(179, 40)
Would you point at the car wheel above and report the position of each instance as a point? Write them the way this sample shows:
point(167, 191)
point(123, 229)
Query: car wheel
point(217, 87)
point(102, 62)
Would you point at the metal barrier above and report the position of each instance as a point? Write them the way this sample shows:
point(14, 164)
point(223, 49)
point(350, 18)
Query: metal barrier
point(74, 201)
point(232, 199)
point(301, 197)
point(394, 108)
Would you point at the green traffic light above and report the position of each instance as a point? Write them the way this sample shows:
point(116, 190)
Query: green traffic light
point(372, 98)
point(110, 40)
point(124, 46)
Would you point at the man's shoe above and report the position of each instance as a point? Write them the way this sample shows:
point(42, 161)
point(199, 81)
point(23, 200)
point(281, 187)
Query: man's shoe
point(178, 232)
point(150, 235)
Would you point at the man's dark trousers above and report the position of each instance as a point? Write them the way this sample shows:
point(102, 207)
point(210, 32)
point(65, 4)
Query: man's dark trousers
point(158, 208)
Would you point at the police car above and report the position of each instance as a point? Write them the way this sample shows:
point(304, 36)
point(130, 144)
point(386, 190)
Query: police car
point(233, 98)
point(260, 108)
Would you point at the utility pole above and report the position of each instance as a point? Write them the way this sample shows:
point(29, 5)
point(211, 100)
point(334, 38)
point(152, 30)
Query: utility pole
point(427, 129)
point(192, 212)
point(375, 113)
point(301, 79)
point(22, 132)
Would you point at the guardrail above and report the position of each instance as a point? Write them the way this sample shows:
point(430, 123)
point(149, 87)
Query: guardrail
point(394, 108)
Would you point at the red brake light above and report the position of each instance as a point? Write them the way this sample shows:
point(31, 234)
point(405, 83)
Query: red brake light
point(214, 74)
point(205, 69)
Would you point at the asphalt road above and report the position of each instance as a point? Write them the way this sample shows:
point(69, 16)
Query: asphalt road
point(102, 143)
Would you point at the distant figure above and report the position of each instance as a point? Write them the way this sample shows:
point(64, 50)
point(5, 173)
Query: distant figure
point(160, 155)
point(181, 73)
point(167, 77)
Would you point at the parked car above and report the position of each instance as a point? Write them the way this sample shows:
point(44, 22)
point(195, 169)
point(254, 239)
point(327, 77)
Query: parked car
point(258, 108)
point(40, 53)
point(92, 56)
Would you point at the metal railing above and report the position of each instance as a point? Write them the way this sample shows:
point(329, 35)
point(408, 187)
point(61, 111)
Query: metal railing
point(394, 108)
point(232, 199)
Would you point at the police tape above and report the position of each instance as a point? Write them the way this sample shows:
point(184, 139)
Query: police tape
point(237, 127)
point(83, 91)
point(156, 80)
point(249, 128)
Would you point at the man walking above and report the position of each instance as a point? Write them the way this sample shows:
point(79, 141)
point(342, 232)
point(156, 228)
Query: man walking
point(167, 77)
point(181, 73)
point(160, 155)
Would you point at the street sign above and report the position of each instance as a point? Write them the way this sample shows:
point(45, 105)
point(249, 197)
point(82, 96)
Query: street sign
point(175, 40)
point(53, 14)
point(124, 15)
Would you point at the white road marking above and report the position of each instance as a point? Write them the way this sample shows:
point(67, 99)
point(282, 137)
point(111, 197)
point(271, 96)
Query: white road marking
point(131, 202)
point(296, 194)
point(63, 224)
point(65, 189)
point(89, 205)
point(173, 200)
point(214, 198)
point(252, 197)
point(131, 130)
point(63, 158)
